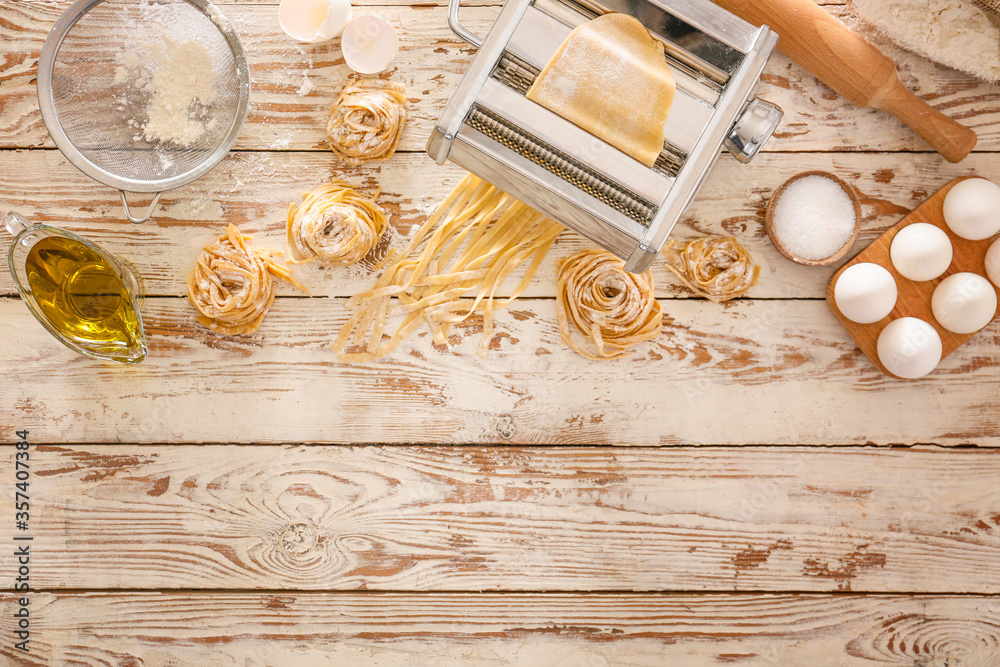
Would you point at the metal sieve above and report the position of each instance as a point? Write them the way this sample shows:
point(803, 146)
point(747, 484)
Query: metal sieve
point(95, 90)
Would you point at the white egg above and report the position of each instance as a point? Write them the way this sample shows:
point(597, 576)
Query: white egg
point(993, 263)
point(964, 302)
point(972, 209)
point(865, 293)
point(909, 347)
point(921, 251)
point(369, 44)
point(313, 21)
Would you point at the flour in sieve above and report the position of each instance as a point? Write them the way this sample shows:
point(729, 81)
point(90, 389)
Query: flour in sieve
point(181, 79)
point(955, 33)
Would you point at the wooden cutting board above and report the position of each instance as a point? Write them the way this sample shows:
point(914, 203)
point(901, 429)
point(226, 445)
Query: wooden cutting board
point(914, 299)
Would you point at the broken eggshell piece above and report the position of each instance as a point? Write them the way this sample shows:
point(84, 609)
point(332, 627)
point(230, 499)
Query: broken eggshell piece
point(314, 21)
point(369, 44)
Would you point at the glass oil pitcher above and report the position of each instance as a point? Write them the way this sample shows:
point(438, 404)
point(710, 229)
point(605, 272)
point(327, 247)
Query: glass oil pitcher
point(83, 295)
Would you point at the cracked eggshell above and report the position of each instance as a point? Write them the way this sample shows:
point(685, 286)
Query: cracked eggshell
point(314, 21)
point(369, 44)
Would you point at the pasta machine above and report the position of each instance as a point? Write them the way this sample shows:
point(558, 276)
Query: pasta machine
point(491, 129)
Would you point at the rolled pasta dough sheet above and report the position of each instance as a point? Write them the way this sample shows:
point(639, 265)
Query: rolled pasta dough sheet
point(610, 78)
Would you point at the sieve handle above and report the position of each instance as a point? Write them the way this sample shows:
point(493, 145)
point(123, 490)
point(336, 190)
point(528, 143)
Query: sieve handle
point(149, 211)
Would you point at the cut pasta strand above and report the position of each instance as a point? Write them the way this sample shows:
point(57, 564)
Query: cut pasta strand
point(475, 239)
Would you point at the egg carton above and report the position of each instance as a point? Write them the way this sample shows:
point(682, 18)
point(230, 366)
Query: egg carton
point(907, 336)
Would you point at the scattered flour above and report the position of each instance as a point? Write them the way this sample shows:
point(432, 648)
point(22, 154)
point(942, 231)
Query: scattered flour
point(307, 85)
point(166, 162)
point(282, 140)
point(955, 33)
point(203, 207)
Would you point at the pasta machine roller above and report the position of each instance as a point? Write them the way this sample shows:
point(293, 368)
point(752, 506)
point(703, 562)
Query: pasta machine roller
point(491, 129)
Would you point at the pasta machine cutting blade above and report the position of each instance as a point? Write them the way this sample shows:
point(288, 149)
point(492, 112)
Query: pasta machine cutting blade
point(490, 128)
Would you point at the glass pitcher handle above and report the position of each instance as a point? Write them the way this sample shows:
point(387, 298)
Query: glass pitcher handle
point(135, 283)
point(14, 223)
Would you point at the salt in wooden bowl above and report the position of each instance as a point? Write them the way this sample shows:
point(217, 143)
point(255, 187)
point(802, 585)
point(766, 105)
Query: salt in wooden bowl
point(776, 241)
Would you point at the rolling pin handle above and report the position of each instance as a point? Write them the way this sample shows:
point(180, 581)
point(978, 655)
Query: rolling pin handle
point(457, 27)
point(947, 136)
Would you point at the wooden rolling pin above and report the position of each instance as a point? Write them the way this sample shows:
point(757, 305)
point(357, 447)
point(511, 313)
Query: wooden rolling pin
point(854, 68)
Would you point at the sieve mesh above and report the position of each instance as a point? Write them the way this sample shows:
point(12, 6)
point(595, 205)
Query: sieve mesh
point(101, 91)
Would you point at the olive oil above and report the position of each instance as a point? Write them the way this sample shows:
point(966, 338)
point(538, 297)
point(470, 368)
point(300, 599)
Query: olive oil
point(82, 296)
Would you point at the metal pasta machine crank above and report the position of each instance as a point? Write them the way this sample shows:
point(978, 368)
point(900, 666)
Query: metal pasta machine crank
point(491, 129)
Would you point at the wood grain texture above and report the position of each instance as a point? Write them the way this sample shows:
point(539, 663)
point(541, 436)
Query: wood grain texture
point(457, 630)
point(431, 62)
point(512, 519)
point(914, 298)
point(253, 191)
point(580, 547)
point(750, 372)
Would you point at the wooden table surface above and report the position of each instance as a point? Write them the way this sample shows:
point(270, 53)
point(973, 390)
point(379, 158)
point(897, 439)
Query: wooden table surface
point(746, 489)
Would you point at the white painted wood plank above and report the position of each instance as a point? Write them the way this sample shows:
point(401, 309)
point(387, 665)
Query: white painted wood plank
point(751, 372)
point(253, 191)
point(871, 520)
point(501, 631)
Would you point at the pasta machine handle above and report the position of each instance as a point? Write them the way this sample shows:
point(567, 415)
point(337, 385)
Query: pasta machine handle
point(752, 129)
point(457, 27)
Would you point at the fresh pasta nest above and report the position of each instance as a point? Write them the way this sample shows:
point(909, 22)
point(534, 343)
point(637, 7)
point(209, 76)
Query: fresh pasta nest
point(715, 267)
point(610, 307)
point(367, 120)
point(232, 285)
point(335, 225)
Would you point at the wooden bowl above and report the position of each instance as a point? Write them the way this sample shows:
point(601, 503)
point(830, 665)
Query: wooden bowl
point(769, 220)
